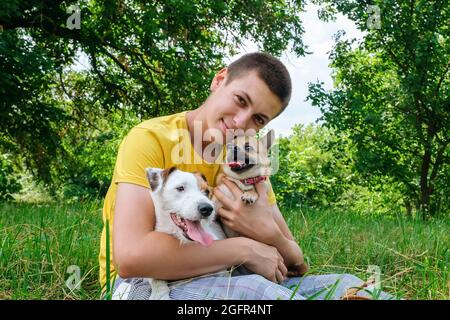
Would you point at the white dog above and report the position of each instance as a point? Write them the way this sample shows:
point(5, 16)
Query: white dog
point(183, 209)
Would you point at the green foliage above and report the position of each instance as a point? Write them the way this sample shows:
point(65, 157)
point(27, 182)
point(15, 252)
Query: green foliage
point(317, 168)
point(9, 183)
point(90, 161)
point(313, 168)
point(383, 199)
point(145, 60)
point(392, 97)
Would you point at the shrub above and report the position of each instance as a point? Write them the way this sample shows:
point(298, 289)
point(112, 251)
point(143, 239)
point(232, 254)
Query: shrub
point(9, 182)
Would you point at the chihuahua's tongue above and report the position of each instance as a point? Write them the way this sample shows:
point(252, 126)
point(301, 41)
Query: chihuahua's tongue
point(196, 232)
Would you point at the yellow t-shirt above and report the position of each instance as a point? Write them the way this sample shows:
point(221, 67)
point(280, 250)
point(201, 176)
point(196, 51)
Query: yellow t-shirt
point(154, 143)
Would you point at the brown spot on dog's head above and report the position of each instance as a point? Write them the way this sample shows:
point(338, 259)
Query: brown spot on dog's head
point(166, 172)
point(203, 184)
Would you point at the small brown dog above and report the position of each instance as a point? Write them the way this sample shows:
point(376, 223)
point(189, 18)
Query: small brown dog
point(247, 163)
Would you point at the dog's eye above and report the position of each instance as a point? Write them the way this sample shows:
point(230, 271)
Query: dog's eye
point(207, 192)
point(180, 188)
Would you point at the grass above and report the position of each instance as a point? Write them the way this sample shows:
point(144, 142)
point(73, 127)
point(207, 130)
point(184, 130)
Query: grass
point(38, 242)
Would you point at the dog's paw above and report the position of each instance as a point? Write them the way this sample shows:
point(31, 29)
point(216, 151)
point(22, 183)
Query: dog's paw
point(249, 197)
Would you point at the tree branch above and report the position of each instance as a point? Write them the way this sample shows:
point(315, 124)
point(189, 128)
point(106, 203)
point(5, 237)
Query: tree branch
point(438, 88)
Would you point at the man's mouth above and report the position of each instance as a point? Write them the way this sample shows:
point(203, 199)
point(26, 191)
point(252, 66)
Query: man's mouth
point(224, 126)
point(192, 230)
point(238, 166)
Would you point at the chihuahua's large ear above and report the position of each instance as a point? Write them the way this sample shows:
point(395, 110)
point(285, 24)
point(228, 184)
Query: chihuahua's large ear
point(268, 139)
point(154, 177)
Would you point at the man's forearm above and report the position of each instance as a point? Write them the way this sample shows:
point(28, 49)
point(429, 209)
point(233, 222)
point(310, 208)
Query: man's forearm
point(170, 261)
point(290, 251)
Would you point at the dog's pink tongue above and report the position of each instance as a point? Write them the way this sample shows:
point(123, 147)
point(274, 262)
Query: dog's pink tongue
point(197, 233)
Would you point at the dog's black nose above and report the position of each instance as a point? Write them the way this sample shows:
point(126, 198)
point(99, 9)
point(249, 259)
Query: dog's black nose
point(205, 209)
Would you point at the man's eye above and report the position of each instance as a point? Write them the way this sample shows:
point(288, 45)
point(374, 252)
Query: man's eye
point(241, 100)
point(259, 120)
point(180, 188)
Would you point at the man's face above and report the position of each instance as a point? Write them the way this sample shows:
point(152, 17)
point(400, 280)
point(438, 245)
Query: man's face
point(244, 103)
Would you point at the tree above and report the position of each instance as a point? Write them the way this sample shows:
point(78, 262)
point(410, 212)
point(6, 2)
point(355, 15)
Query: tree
point(146, 58)
point(392, 94)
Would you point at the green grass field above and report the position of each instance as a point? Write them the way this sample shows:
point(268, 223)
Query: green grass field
point(38, 242)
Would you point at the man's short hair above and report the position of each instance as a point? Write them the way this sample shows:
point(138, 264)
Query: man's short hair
point(271, 70)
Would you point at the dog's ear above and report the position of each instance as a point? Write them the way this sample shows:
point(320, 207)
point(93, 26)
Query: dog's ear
point(268, 139)
point(154, 177)
point(203, 183)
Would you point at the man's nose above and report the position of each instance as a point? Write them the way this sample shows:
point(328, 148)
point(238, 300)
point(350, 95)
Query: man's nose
point(242, 118)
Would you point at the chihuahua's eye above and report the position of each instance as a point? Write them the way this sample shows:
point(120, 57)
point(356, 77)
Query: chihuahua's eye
point(207, 192)
point(180, 188)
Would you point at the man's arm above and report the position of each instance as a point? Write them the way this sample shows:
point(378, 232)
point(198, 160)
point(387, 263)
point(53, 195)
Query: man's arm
point(287, 246)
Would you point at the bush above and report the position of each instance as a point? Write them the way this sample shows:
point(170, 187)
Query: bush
point(313, 170)
point(316, 169)
point(9, 182)
point(91, 155)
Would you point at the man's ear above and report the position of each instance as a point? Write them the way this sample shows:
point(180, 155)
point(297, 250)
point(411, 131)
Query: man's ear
point(154, 177)
point(268, 139)
point(218, 79)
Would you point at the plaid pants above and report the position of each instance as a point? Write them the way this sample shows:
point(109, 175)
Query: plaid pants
point(222, 286)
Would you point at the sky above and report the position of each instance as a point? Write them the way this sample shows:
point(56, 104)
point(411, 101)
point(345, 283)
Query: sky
point(318, 37)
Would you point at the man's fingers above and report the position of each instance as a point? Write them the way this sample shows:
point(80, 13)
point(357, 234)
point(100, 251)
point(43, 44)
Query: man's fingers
point(279, 276)
point(233, 188)
point(227, 202)
point(261, 189)
point(283, 269)
point(224, 214)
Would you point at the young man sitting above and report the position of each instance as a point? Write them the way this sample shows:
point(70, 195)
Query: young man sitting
point(248, 94)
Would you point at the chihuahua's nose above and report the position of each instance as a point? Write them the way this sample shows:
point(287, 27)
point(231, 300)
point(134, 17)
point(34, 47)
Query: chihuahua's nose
point(205, 209)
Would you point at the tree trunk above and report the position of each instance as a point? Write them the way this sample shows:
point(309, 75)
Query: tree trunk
point(408, 207)
point(425, 191)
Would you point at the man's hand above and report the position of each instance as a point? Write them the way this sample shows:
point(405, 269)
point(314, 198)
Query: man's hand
point(264, 260)
point(261, 222)
point(254, 221)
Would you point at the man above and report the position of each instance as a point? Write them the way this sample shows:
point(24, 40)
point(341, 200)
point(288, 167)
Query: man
point(247, 95)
